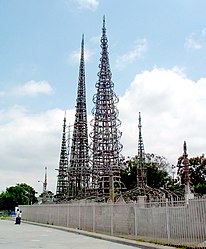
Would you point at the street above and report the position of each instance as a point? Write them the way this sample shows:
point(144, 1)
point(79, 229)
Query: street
point(27, 236)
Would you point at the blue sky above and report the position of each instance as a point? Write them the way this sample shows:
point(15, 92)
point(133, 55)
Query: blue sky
point(157, 52)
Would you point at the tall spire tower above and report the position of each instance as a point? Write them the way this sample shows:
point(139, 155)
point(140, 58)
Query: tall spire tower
point(62, 178)
point(185, 163)
point(79, 173)
point(105, 135)
point(141, 167)
point(186, 171)
point(45, 181)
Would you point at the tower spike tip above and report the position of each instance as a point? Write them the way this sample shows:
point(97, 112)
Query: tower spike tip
point(185, 147)
point(104, 25)
point(140, 125)
point(82, 52)
point(82, 39)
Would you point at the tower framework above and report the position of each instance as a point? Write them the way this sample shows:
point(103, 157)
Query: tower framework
point(62, 178)
point(105, 135)
point(185, 163)
point(79, 171)
point(141, 166)
point(142, 191)
point(188, 194)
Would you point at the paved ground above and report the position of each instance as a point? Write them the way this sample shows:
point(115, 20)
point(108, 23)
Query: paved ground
point(26, 236)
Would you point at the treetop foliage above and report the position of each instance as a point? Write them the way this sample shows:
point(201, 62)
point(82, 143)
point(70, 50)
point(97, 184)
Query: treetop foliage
point(159, 173)
point(21, 194)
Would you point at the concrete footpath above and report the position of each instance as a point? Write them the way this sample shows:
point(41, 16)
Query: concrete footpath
point(36, 235)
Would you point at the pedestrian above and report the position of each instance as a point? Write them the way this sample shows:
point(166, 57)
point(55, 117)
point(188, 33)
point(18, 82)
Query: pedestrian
point(18, 217)
point(20, 214)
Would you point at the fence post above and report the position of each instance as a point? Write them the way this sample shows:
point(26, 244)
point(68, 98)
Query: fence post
point(79, 223)
point(93, 216)
point(67, 215)
point(167, 220)
point(135, 219)
point(58, 214)
point(112, 221)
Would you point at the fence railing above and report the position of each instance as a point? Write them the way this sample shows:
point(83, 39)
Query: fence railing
point(173, 223)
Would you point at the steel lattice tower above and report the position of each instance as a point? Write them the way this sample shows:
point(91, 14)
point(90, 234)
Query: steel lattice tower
point(105, 135)
point(62, 178)
point(79, 173)
point(186, 169)
point(45, 181)
point(141, 167)
point(185, 163)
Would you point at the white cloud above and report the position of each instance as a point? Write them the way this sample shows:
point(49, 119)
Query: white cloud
point(139, 49)
point(88, 4)
point(33, 88)
point(173, 110)
point(96, 39)
point(28, 143)
point(193, 42)
point(75, 55)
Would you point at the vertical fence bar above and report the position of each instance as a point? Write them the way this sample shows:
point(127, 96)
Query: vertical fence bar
point(135, 219)
point(196, 212)
point(79, 222)
point(58, 218)
point(202, 219)
point(112, 221)
point(168, 222)
point(67, 212)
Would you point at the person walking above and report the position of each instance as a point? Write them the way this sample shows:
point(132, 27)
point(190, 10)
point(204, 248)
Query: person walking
point(18, 217)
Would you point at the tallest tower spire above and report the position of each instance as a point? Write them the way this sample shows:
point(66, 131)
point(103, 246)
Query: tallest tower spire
point(79, 156)
point(105, 135)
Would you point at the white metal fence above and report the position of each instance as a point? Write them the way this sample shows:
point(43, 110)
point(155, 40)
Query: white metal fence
point(173, 223)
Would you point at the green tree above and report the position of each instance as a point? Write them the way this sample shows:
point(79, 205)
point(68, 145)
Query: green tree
point(197, 173)
point(157, 172)
point(29, 192)
point(157, 178)
point(128, 173)
point(21, 194)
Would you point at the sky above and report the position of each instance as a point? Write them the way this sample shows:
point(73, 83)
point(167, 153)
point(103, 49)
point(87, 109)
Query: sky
point(157, 55)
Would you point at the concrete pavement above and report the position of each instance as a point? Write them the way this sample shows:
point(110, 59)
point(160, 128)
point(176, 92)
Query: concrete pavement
point(29, 235)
